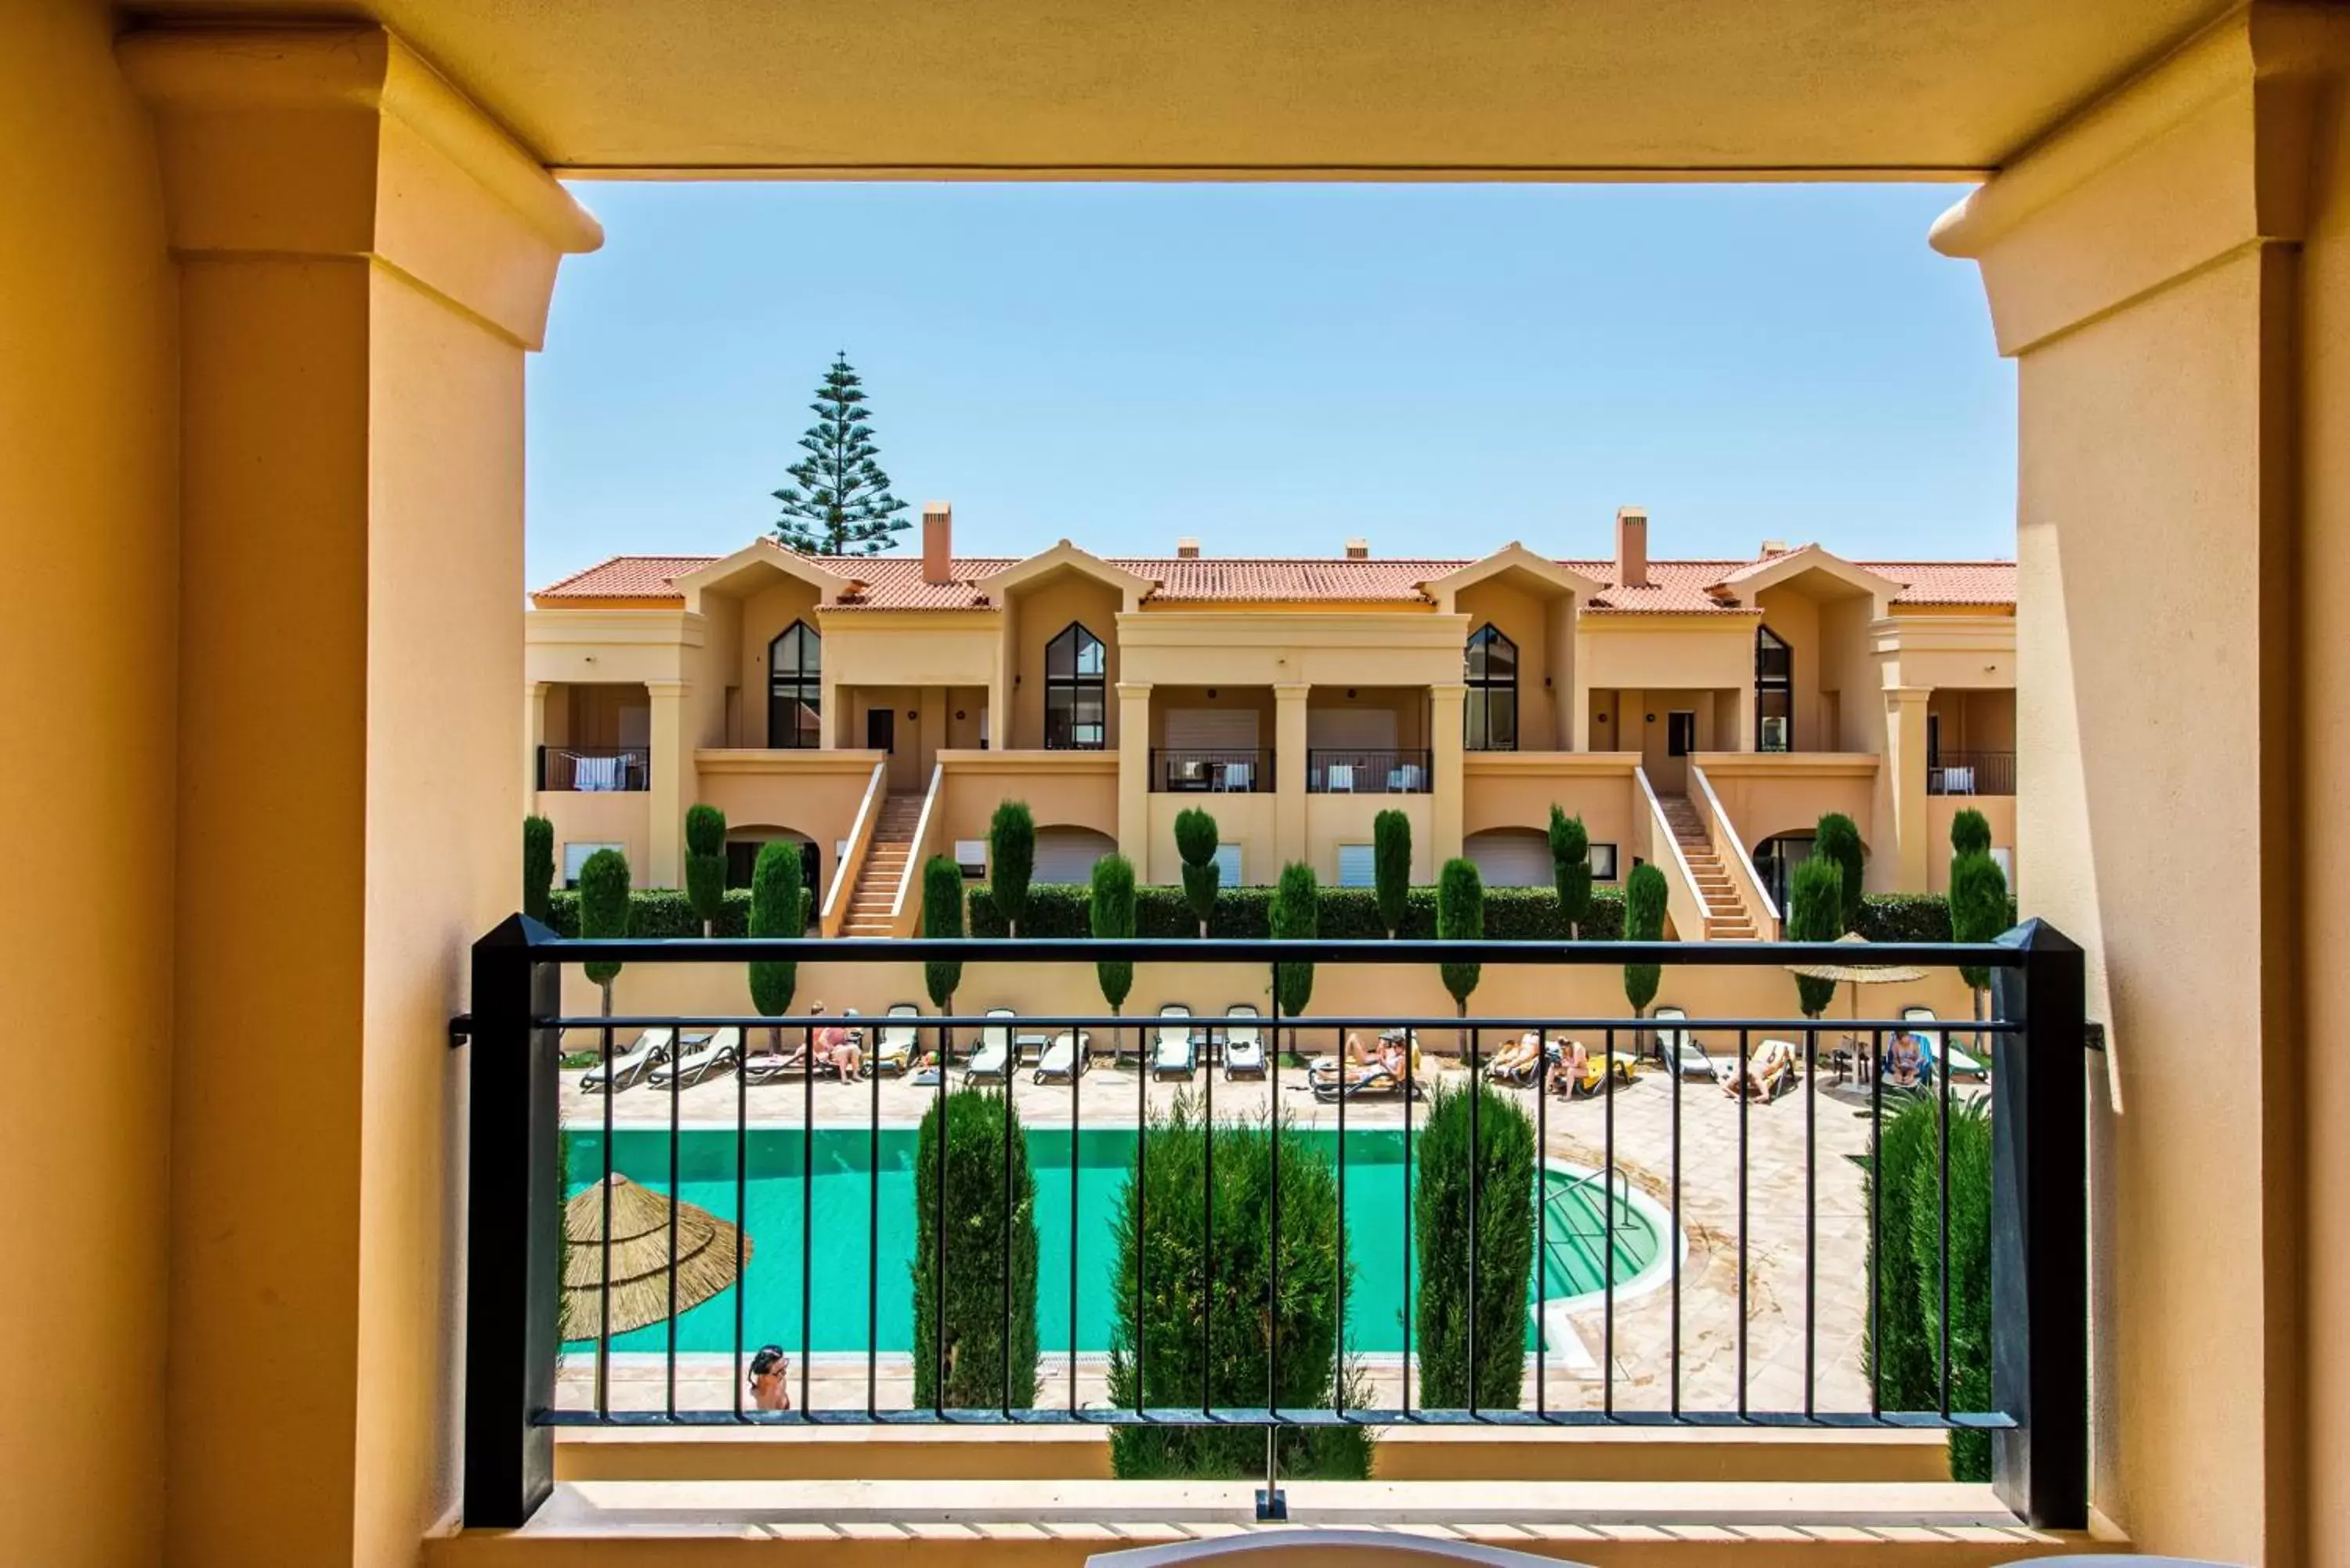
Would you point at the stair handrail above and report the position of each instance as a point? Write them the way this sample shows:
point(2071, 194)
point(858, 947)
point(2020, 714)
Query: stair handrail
point(852, 856)
point(910, 877)
point(1683, 901)
point(1758, 895)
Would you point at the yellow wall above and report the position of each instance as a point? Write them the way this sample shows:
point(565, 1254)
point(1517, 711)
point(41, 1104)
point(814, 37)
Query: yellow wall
point(1768, 794)
point(764, 616)
point(87, 617)
point(812, 792)
point(1041, 613)
point(1794, 617)
point(1998, 810)
point(1525, 620)
point(1332, 820)
point(1062, 789)
point(1247, 820)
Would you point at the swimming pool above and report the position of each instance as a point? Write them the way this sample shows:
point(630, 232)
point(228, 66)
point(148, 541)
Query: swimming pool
point(842, 1218)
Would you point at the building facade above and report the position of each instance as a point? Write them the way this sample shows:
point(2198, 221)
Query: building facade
point(1698, 714)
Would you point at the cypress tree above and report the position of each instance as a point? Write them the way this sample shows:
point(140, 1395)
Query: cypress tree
point(1109, 913)
point(941, 917)
point(1460, 918)
point(990, 1363)
point(1838, 840)
point(1502, 1163)
point(838, 502)
point(1969, 833)
point(1644, 921)
point(1012, 861)
point(777, 909)
point(604, 912)
point(537, 868)
point(1195, 841)
point(1296, 916)
point(1392, 867)
point(1570, 869)
point(1814, 913)
point(705, 862)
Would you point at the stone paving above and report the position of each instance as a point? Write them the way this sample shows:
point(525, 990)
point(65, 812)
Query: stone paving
point(1743, 1291)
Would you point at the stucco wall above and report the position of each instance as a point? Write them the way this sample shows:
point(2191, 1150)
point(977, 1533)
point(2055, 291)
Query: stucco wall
point(1041, 613)
point(1525, 620)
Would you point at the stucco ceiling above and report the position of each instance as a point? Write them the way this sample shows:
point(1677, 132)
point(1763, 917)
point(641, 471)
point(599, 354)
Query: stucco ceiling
point(1096, 87)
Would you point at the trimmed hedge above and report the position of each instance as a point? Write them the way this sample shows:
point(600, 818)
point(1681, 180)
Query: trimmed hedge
point(655, 912)
point(1350, 914)
point(1909, 918)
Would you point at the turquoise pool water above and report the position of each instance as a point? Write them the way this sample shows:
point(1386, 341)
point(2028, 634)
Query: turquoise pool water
point(844, 1197)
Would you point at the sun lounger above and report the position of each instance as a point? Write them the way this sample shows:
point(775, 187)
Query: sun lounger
point(651, 1048)
point(1676, 1049)
point(1243, 1041)
point(1939, 1044)
point(991, 1061)
point(1777, 1078)
point(696, 1062)
point(1331, 1078)
point(1598, 1067)
point(894, 1048)
point(1064, 1059)
point(1176, 1052)
point(768, 1067)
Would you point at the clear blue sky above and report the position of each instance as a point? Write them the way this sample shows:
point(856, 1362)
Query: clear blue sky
point(1273, 367)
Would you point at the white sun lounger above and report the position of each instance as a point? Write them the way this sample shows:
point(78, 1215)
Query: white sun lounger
point(1064, 1059)
point(723, 1049)
point(991, 1061)
point(1176, 1052)
point(1939, 1043)
point(894, 1049)
point(1677, 1050)
point(650, 1048)
point(1243, 1041)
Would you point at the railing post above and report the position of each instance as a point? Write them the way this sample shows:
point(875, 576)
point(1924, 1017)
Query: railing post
point(513, 1208)
point(2038, 1232)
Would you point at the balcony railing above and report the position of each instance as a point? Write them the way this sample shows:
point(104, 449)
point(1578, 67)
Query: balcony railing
point(1682, 1164)
point(595, 770)
point(1971, 773)
point(1240, 771)
point(1340, 771)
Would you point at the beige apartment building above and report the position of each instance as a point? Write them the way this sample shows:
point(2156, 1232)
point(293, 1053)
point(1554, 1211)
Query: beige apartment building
point(1698, 714)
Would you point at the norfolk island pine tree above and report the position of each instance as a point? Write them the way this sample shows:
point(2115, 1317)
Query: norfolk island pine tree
point(839, 502)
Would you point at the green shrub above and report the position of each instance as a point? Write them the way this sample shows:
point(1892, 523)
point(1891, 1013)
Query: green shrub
point(1011, 860)
point(1969, 833)
point(1502, 1162)
point(1196, 842)
point(1814, 913)
point(1969, 1229)
point(1897, 1353)
point(1111, 913)
point(1392, 867)
point(663, 912)
point(1459, 918)
point(1570, 868)
point(537, 868)
point(1296, 917)
point(1347, 914)
point(1838, 842)
point(1979, 910)
point(966, 1299)
point(1182, 1281)
point(1644, 921)
point(604, 911)
point(705, 863)
point(1911, 918)
point(774, 888)
point(941, 917)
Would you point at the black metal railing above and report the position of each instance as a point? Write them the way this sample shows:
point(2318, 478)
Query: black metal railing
point(1337, 771)
point(1971, 773)
point(595, 769)
point(1243, 770)
point(1773, 1086)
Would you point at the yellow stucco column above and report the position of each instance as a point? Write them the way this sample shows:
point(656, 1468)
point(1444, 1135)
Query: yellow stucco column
point(1447, 713)
point(1290, 737)
point(363, 261)
point(533, 725)
point(2172, 273)
point(674, 784)
point(1897, 859)
point(1134, 776)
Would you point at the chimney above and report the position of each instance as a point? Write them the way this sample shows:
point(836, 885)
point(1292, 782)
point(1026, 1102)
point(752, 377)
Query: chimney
point(938, 542)
point(1632, 547)
point(1358, 549)
point(1775, 547)
point(1187, 548)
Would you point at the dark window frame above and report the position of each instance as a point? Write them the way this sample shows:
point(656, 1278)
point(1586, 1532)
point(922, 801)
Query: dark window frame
point(1766, 642)
point(1484, 687)
point(803, 687)
point(1072, 687)
point(1614, 863)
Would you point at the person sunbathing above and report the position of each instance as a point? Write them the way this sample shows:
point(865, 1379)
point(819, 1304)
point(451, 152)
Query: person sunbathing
point(1774, 1060)
point(832, 1046)
point(1517, 1059)
point(1570, 1061)
point(1905, 1061)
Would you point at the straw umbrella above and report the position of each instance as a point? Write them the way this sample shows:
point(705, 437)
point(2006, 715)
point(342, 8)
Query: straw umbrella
point(1856, 975)
point(640, 1258)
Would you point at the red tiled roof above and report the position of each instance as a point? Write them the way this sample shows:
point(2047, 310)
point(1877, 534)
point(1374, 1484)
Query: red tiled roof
point(1674, 587)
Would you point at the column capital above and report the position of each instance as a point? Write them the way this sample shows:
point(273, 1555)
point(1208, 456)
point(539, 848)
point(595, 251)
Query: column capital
point(339, 141)
point(1133, 689)
point(667, 688)
point(1292, 690)
point(1900, 696)
point(1452, 692)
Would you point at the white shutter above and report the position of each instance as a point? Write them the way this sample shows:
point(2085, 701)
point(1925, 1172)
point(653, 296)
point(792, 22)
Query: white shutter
point(1358, 867)
point(1228, 866)
point(1068, 854)
point(1211, 729)
point(1510, 857)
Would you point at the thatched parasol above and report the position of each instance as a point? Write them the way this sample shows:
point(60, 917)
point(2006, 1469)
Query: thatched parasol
point(1857, 975)
point(640, 1258)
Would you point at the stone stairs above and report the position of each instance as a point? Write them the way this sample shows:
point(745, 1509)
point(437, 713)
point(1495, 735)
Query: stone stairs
point(883, 868)
point(1727, 917)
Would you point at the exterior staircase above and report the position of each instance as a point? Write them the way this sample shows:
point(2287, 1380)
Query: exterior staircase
point(883, 868)
point(1727, 917)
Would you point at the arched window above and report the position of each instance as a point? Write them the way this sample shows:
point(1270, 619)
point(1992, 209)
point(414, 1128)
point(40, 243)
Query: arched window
point(795, 688)
point(1493, 675)
point(1076, 704)
point(1774, 692)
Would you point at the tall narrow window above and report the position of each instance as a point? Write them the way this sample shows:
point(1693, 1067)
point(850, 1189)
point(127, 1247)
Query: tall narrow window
point(1774, 692)
point(1492, 721)
point(795, 688)
point(1076, 703)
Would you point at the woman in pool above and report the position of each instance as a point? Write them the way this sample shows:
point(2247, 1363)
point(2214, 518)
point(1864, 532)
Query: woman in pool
point(770, 1374)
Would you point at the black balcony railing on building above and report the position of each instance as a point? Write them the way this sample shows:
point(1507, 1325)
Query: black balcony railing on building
point(1971, 773)
point(1340, 771)
point(1245, 770)
point(595, 769)
point(2027, 1388)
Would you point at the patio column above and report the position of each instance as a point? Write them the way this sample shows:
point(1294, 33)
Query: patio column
point(1899, 857)
point(363, 261)
point(1134, 775)
point(2171, 273)
point(1446, 716)
point(533, 724)
point(674, 784)
point(1290, 736)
